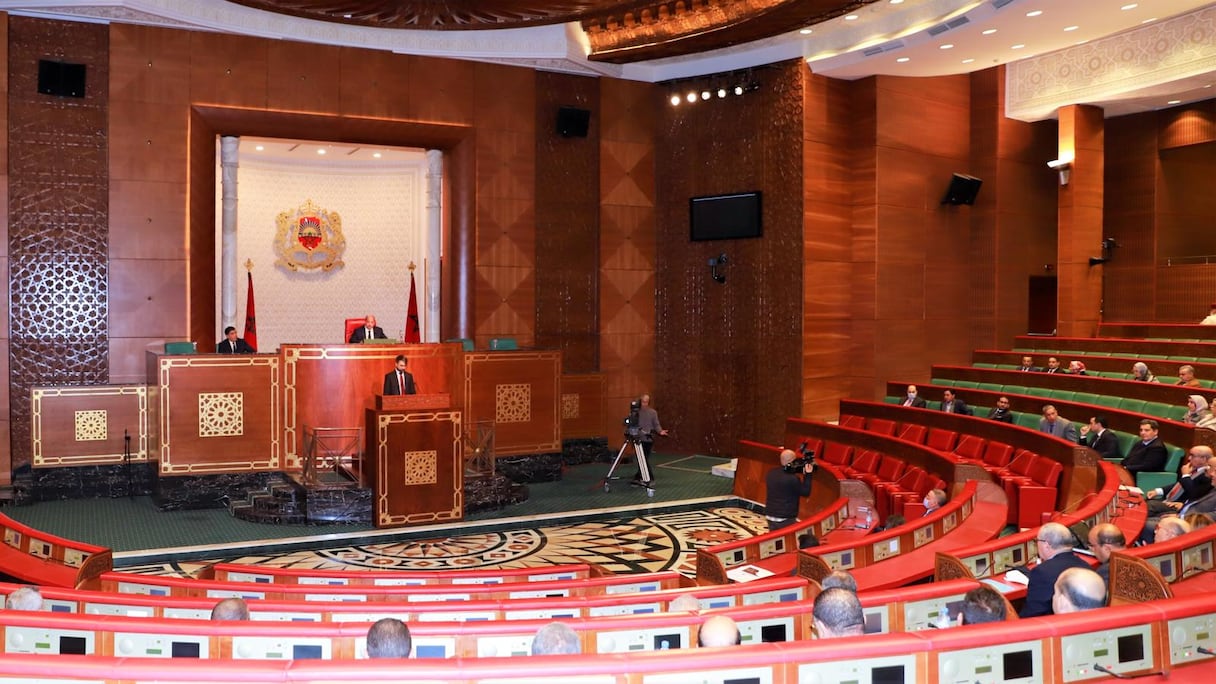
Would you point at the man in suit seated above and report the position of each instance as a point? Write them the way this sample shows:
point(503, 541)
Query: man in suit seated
point(1028, 365)
point(1055, 544)
point(1001, 411)
point(1053, 366)
point(232, 344)
point(1057, 426)
point(1148, 454)
point(369, 331)
point(399, 380)
point(1078, 589)
point(913, 399)
point(952, 404)
point(1096, 436)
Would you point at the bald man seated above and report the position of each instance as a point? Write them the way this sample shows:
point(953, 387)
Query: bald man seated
point(1105, 539)
point(1078, 589)
point(837, 613)
point(719, 630)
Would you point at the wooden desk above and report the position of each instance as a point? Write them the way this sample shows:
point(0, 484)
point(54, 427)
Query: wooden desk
point(415, 466)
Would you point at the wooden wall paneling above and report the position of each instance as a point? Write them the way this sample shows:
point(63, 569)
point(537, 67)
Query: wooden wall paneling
point(521, 392)
point(567, 223)
point(87, 425)
point(57, 218)
point(1080, 221)
point(1129, 217)
point(303, 77)
point(227, 69)
point(627, 245)
point(200, 231)
point(374, 83)
point(987, 111)
point(1185, 208)
point(582, 406)
point(443, 90)
point(1190, 124)
point(149, 64)
point(1184, 290)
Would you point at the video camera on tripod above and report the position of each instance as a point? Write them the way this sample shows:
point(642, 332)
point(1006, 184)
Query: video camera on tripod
point(798, 464)
point(633, 430)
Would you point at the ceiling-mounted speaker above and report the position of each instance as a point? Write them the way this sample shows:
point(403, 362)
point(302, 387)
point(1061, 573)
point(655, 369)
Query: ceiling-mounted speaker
point(61, 79)
point(573, 122)
point(962, 190)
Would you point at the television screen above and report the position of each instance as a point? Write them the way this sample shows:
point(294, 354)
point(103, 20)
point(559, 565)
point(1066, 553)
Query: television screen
point(725, 217)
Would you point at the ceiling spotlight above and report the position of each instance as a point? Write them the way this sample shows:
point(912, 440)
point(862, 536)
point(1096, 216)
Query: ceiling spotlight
point(1174, 102)
point(897, 2)
point(692, 96)
point(259, 148)
point(947, 46)
point(851, 17)
point(901, 60)
point(321, 150)
point(989, 32)
point(705, 94)
point(1019, 46)
point(739, 90)
point(376, 155)
point(675, 100)
point(1130, 6)
point(1071, 28)
point(721, 92)
point(1034, 13)
point(968, 60)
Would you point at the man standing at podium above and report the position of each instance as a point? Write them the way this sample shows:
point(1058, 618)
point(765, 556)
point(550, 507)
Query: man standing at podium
point(369, 331)
point(399, 381)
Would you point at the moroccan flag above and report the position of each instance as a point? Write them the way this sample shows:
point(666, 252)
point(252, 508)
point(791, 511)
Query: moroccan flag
point(412, 331)
point(251, 319)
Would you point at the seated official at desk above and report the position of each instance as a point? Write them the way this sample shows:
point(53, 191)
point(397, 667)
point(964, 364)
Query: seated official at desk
point(369, 331)
point(232, 344)
point(399, 380)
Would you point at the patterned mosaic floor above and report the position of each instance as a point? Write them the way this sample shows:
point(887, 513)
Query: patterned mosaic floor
point(643, 543)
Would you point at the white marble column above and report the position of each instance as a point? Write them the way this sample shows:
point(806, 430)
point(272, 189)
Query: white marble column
point(434, 238)
point(229, 153)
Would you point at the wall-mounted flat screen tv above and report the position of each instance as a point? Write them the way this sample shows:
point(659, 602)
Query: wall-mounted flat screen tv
point(725, 217)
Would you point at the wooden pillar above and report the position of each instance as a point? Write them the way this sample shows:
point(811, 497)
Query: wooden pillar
point(1080, 221)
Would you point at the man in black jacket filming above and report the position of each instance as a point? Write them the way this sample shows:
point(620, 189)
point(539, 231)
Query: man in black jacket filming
point(785, 485)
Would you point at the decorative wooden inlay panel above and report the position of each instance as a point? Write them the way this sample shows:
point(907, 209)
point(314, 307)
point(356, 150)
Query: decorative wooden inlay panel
point(421, 467)
point(90, 426)
point(569, 406)
point(221, 414)
point(513, 403)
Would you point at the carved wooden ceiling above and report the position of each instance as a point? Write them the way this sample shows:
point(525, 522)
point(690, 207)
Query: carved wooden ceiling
point(619, 31)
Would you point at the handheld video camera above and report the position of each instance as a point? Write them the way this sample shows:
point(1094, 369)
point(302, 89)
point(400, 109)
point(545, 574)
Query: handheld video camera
point(633, 431)
point(798, 464)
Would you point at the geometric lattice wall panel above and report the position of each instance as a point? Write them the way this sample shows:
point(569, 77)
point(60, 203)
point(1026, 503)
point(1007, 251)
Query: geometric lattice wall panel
point(415, 467)
point(582, 405)
point(87, 425)
point(524, 389)
point(216, 413)
point(58, 199)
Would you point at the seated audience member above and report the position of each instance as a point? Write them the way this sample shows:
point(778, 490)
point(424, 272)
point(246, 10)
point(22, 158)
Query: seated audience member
point(935, 499)
point(1141, 373)
point(1198, 413)
point(719, 630)
point(1103, 540)
point(1028, 365)
point(25, 598)
point(1055, 544)
point(952, 404)
point(807, 540)
point(1148, 454)
point(1053, 366)
point(231, 344)
point(837, 613)
point(1098, 437)
point(1057, 426)
point(1169, 528)
point(1206, 504)
point(983, 604)
point(230, 609)
point(913, 398)
point(1198, 521)
point(685, 603)
point(1211, 319)
point(1194, 482)
point(839, 579)
point(1078, 589)
point(389, 638)
point(1001, 411)
point(1186, 377)
point(556, 638)
point(893, 520)
point(1076, 368)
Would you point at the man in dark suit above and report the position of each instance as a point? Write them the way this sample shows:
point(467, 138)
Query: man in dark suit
point(1028, 365)
point(232, 344)
point(399, 380)
point(1097, 437)
point(913, 399)
point(952, 404)
point(1055, 544)
point(1001, 411)
point(1053, 366)
point(1148, 454)
point(369, 331)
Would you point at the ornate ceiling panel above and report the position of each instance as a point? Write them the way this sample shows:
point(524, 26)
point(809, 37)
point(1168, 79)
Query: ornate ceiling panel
point(446, 14)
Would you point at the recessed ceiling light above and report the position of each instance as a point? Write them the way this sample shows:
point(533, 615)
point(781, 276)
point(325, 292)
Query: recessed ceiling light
point(376, 155)
point(1071, 28)
point(1019, 46)
point(897, 2)
point(851, 17)
point(989, 32)
point(321, 150)
point(1034, 13)
point(1149, 20)
point(968, 60)
point(1208, 85)
point(1174, 102)
point(807, 31)
point(947, 46)
point(901, 60)
point(259, 148)
point(1130, 6)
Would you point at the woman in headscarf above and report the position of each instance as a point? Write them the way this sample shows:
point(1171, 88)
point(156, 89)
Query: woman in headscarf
point(1141, 373)
point(1198, 413)
point(1076, 367)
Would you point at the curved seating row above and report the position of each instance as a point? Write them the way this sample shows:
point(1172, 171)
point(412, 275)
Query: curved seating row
point(43, 558)
point(1181, 566)
point(242, 572)
point(1118, 367)
point(1169, 640)
point(1118, 346)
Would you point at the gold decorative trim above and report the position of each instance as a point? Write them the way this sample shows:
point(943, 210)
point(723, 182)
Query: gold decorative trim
point(221, 414)
point(570, 406)
point(91, 425)
point(139, 436)
point(513, 403)
point(421, 467)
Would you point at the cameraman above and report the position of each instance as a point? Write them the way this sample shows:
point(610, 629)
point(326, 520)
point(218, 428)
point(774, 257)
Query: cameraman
point(785, 490)
point(648, 427)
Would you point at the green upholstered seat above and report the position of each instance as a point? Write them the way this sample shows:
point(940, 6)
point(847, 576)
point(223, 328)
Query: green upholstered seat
point(1133, 405)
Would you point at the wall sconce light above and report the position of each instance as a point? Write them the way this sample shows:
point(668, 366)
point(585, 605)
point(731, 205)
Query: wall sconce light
point(714, 263)
point(1063, 167)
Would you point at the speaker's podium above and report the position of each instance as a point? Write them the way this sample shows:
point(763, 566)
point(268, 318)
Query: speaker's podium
point(414, 460)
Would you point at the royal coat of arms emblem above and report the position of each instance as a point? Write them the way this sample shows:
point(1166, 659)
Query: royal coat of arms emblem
point(309, 237)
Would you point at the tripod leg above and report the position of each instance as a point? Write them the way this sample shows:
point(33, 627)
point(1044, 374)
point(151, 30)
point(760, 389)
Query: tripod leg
point(615, 462)
point(644, 468)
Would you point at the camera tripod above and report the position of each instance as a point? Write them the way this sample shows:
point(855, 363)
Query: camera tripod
point(643, 466)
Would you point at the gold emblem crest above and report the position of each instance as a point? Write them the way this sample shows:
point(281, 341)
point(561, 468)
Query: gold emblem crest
point(309, 237)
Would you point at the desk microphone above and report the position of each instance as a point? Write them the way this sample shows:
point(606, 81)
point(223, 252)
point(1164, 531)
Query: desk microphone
point(1106, 670)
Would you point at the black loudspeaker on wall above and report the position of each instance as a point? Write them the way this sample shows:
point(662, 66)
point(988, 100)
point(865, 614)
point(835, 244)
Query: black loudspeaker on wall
point(572, 122)
point(61, 79)
point(962, 190)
